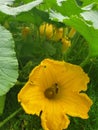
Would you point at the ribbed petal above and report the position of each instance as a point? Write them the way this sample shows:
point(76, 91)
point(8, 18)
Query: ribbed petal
point(76, 104)
point(54, 118)
point(42, 76)
point(70, 77)
point(32, 99)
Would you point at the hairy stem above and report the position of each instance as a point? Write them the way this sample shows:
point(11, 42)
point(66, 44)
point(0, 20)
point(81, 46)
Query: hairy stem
point(10, 117)
point(87, 60)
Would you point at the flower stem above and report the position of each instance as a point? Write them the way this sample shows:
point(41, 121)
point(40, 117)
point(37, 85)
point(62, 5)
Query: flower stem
point(10, 117)
point(18, 83)
point(2, 103)
point(87, 59)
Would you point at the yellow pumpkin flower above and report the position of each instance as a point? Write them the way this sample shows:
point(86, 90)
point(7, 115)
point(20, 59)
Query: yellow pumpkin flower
point(58, 34)
point(55, 89)
point(26, 31)
point(71, 33)
point(51, 32)
point(47, 30)
point(66, 43)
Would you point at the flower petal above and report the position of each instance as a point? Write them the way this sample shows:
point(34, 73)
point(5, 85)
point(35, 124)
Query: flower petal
point(31, 98)
point(53, 118)
point(67, 75)
point(42, 76)
point(76, 104)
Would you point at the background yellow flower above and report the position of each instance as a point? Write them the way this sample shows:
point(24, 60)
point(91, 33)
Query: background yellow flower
point(66, 43)
point(54, 90)
point(46, 30)
point(51, 32)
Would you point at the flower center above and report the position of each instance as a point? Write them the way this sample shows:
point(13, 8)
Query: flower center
point(51, 92)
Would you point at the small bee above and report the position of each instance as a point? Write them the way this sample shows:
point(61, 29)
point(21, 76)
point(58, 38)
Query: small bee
point(56, 89)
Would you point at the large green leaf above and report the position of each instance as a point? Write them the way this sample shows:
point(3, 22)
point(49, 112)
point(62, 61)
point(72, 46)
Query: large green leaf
point(91, 16)
point(6, 2)
point(17, 10)
point(68, 7)
point(87, 2)
point(34, 16)
point(8, 61)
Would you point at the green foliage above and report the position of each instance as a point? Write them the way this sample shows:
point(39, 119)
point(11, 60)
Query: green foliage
point(34, 16)
point(85, 25)
point(68, 8)
point(87, 2)
point(89, 33)
point(74, 56)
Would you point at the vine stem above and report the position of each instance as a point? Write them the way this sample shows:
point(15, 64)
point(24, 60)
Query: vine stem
point(10, 117)
point(18, 83)
point(87, 59)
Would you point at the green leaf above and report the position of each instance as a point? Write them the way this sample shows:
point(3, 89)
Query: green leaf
point(16, 10)
point(24, 1)
point(7, 2)
point(8, 61)
point(68, 7)
point(87, 2)
point(34, 16)
point(91, 16)
point(49, 3)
